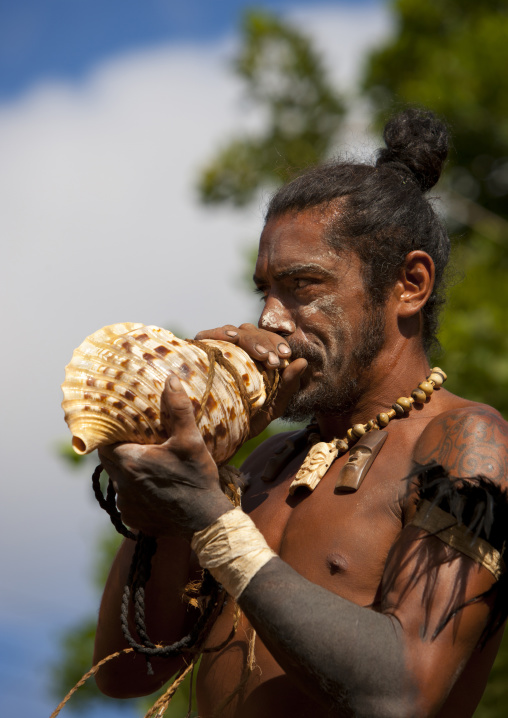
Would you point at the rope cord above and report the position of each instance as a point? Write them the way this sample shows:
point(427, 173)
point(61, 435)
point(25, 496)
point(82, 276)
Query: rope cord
point(108, 503)
point(139, 574)
point(202, 634)
point(93, 670)
point(215, 356)
point(162, 703)
point(231, 482)
point(232, 633)
point(209, 588)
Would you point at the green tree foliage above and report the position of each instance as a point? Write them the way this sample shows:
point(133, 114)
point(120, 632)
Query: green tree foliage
point(473, 332)
point(448, 55)
point(284, 78)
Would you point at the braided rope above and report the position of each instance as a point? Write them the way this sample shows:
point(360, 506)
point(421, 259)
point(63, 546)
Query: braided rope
point(93, 670)
point(212, 355)
point(271, 388)
point(216, 598)
point(161, 705)
point(108, 503)
point(215, 356)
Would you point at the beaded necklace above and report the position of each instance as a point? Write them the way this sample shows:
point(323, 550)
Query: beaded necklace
point(322, 454)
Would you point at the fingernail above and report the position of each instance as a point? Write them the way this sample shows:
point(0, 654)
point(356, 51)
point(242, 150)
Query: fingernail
point(231, 333)
point(261, 349)
point(174, 383)
point(273, 359)
point(284, 349)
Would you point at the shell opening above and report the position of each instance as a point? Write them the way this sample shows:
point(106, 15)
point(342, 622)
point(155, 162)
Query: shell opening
point(78, 445)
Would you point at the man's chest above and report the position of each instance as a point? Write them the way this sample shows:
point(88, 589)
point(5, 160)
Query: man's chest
point(337, 540)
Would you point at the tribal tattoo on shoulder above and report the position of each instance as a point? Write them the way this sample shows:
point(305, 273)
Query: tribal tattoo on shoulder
point(468, 444)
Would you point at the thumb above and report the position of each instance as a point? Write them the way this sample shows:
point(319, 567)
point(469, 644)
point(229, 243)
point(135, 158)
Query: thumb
point(177, 413)
point(288, 386)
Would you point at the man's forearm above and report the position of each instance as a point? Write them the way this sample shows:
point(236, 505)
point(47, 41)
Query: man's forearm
point(168, 619)
point(348, 658)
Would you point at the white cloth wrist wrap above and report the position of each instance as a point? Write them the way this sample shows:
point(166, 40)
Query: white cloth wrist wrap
point(233, 550)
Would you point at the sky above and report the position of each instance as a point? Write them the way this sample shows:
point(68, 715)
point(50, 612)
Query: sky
point(62, 39)
point(107, 111)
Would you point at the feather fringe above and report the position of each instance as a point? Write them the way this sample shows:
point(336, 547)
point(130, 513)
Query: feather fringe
point(482, 507)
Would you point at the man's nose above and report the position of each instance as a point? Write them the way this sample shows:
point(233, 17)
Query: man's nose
point(276, 318)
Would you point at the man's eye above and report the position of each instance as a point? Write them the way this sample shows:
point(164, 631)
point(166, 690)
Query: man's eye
point(262, 293)
point(300, 283)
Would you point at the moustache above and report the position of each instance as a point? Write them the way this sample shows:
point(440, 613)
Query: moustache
point(301, 350)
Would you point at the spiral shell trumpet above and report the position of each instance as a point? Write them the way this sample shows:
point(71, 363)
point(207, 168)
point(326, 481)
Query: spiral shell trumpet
point(115, 379)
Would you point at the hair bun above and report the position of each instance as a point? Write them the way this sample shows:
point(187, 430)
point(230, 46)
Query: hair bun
point(417, 140)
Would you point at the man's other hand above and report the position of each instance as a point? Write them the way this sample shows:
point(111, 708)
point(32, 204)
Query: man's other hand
point(273, 352)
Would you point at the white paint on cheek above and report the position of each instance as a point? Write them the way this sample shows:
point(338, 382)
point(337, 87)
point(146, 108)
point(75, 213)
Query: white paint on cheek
point(272, 321)
point(329, 307)
point(310, 309)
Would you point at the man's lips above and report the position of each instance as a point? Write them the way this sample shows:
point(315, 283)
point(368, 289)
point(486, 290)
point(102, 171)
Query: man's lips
point(308, 352)
point(315, 366)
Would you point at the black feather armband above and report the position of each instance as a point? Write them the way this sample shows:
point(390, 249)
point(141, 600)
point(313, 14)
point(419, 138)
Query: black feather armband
point(470, 515)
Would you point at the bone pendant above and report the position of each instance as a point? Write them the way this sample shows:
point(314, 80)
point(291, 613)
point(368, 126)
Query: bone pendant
point(115, 378)
point(361, 458)
point(317, 462)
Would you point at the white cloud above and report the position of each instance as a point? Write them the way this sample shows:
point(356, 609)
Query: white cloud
point(345, 34)
point(100, 223)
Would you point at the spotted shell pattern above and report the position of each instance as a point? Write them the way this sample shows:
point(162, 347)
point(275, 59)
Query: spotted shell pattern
point(115, 378)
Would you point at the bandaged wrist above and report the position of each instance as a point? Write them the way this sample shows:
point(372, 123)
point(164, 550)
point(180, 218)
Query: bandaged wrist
point(233, 550)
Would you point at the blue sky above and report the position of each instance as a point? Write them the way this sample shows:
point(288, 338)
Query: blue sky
point(108, 109)
point(63, 38)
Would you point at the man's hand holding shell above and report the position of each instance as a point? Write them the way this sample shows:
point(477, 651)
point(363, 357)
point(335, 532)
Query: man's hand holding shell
point(170, 488)
point(273, 352)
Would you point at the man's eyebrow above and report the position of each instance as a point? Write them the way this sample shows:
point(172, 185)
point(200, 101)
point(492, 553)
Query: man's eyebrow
point(310, 268)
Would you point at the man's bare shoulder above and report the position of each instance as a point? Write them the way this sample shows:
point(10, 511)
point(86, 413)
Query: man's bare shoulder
point(468, 440)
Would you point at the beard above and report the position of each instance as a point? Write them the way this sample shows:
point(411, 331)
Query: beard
point(343, 378)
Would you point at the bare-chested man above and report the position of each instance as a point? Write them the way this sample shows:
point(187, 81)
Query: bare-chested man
point(362, 612)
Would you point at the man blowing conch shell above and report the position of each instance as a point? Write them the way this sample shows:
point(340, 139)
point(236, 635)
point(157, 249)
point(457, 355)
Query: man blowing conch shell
point(382, 591)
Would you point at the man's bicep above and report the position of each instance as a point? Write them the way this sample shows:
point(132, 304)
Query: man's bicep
point(446, 578)
point(467, 442)
point(437, 595)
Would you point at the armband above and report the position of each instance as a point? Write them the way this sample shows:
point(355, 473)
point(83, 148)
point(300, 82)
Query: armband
point(233, 550)
point(445, 527)
point(470, 515)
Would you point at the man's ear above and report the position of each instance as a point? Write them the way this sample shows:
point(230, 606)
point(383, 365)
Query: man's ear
point(415, 283)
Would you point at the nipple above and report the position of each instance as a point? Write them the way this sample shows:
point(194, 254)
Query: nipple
point(336, 563)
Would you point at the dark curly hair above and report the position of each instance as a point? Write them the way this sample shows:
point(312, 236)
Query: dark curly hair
point(385, 213)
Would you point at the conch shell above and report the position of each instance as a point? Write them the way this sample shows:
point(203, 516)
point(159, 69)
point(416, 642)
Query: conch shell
point(115, 378)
